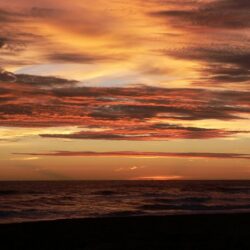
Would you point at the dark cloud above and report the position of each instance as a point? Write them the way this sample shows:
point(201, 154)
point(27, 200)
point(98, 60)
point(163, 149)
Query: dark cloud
point(71, 57)
point(45, 12)
point(147, 102)
point(142, 154)
point(33, 80)
point(3, 42)
point(174, 112)
point(154, 70)
point(216, 54)
point(144, 133)
point(229, 14)
point(9, 17)
point(128, 113)
point(214, 73)
point(11, 28)
point(214, 26)
point(220, 64)
point(81, 58)
point(16, 36)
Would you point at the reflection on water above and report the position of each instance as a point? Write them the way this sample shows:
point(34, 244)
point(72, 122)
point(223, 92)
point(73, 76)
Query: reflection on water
point(25, 201)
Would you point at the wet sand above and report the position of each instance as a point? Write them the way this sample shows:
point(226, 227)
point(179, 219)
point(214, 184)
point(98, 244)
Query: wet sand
point(194, 232)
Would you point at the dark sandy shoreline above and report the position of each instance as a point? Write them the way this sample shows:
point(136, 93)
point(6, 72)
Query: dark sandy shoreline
point(228, 231)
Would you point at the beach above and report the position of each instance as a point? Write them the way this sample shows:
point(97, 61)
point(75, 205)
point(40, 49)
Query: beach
point(211, 231)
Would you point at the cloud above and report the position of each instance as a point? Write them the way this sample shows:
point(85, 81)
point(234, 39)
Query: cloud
point(57, 32)
point(80, 57)
point(23, 29)
point(147, 132)
point(111, 113)
point(33, 80)
point(43, 12)
point(220, 64)
point(215, 73)
point(7, 16)
point(3, 42)
point(14, 35)
point(63, 33)
point(216, 39)
point(238, 57)
point(226, 14)
point(25, 159)
point(141, 154)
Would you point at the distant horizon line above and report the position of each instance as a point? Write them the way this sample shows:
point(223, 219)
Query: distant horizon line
point(144, 180)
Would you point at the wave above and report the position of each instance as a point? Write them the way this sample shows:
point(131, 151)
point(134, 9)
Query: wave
point(182, 200)
point(191, 207)
point(106, 193)
point(20, 192)
point(22, 201)
point(8, 192)
point(123, 213)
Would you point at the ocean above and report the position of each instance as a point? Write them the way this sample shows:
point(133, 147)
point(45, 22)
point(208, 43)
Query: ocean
point(23, 201)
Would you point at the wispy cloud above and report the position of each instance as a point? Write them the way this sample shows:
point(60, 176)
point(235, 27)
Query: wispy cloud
point(25, 158)
point(143, 133)
point(142, 154)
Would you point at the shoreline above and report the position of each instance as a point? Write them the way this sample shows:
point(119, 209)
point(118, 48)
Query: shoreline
point(203, 231)
point(129, 216)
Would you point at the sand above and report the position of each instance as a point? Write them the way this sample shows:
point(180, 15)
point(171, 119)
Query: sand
point(194, 232)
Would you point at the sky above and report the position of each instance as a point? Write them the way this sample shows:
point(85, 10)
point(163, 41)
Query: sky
point(133, 90)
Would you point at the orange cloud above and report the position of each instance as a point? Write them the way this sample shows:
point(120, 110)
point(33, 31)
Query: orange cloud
point(128, 113)
point(142, 154)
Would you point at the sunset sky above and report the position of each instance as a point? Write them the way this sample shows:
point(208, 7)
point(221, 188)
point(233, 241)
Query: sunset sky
point(155, 89)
